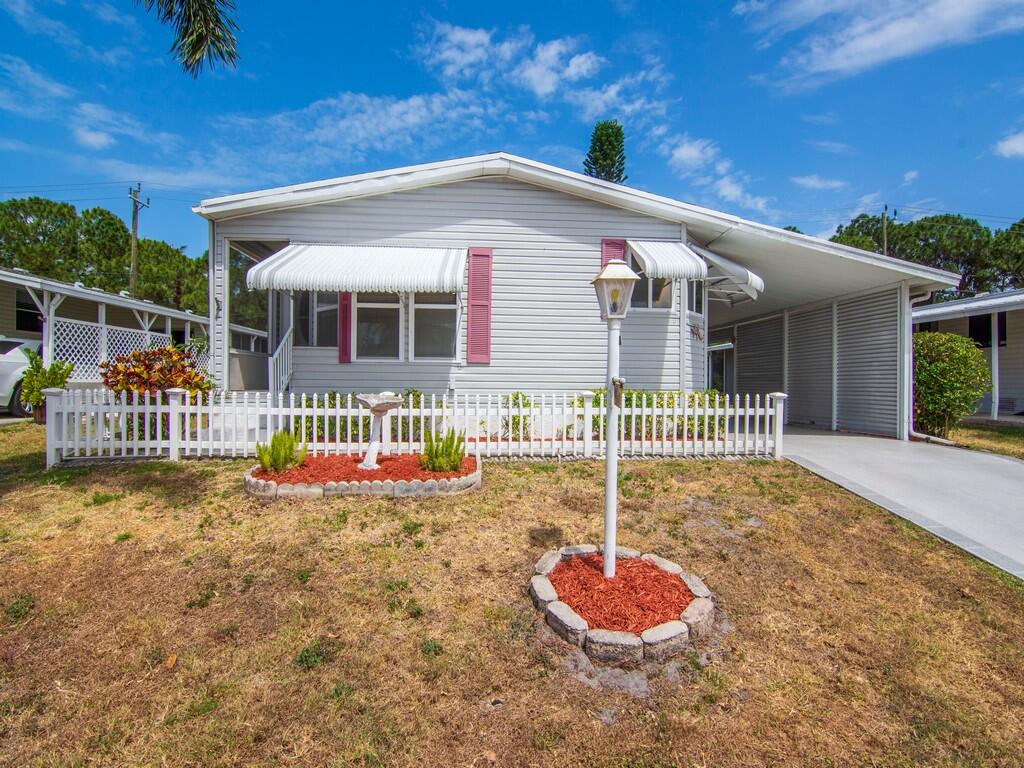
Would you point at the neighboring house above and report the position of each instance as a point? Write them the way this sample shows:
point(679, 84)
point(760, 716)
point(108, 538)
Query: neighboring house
point(86, 326)
point(473, 275)
point(998, 316)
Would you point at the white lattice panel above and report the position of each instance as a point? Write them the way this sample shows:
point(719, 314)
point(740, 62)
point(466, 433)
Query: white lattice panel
point(78, 343)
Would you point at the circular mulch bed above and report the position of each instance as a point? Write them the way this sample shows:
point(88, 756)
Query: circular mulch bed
point(640, 596)
point(650, 611)
point(325, 469)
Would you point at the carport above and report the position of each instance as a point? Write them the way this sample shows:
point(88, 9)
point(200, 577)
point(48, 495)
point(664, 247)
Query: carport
point(832, 330)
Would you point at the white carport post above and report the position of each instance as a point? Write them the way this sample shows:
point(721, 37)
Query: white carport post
point(994, 359)
point(48, 309)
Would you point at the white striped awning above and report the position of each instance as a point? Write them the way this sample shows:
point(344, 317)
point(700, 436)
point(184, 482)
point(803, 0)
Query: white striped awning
point(729, 279)
point(668, 259)
point(328, 267)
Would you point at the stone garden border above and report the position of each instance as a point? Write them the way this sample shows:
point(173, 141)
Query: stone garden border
point(623, 648)
point(269, 490)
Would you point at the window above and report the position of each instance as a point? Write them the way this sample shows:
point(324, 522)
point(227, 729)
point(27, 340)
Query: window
point(326, 320)
point(26, 313)
point(435, 321)
point(695, 296)
point(980, 330)
point(378, 326)
point(650, 293)
point(303, 318)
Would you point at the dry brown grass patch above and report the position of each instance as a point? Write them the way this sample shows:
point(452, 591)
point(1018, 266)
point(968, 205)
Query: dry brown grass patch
point(856, 639)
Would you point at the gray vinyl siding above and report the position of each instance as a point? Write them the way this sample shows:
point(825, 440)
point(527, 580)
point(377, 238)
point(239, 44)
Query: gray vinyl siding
point(868, 367)
point(810, 368)
point(546, 332)
point(1011, 361)
point(759, 357)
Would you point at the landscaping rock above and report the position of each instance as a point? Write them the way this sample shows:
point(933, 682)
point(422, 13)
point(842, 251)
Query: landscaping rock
point(665, 565)
point(542, 592)
point(429, 487)
point(567, 624)
point(665, 640)
point(578, 549)
point(623, 553)
point(693, 582)
point(616, 647)
point(699, 617)
point(547, 562)
point(307, 491)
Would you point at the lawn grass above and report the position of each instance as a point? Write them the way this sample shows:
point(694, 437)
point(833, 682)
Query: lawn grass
point(855, 638)
point(997, 439)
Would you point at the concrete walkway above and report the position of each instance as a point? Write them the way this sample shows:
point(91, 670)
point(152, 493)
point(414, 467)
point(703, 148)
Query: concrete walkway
point(972, 499)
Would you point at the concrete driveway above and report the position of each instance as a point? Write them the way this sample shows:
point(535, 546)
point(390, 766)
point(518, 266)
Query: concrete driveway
point(972, 499)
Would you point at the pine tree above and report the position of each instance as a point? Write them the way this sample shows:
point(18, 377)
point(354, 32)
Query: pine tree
point(607, 156)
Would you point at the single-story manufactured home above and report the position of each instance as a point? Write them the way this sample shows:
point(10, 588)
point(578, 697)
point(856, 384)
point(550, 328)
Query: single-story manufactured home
point(473, 275)
point(995, 321)
point(85, 326)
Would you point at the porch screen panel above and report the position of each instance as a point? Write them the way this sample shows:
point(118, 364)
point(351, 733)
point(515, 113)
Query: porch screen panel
point(868, 374)
point(810, 368)
point(759, 357)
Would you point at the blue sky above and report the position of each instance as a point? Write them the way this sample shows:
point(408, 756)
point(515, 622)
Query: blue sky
point(792, 112)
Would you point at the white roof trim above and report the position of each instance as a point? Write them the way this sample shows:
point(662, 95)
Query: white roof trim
point(668, 259)
point(729, 277)
point(333, 267)
point(978, 305)
point(502, 164)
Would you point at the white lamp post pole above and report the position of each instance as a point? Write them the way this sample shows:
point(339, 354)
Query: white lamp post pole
point(611, 460)
point(614, 287)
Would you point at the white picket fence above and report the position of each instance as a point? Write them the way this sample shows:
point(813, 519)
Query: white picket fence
point(97, 424)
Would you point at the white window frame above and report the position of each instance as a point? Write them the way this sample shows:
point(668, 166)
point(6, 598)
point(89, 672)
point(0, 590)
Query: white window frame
point(354, 326)
point(703, 298)
point(457, 307)
point(634, 261)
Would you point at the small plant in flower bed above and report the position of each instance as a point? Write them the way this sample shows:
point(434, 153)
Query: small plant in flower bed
point(281, 454)
point(445, 454)
point(38, 377)
point(154, 370)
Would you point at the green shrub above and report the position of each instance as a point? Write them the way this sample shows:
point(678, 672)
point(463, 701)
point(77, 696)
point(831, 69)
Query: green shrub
point(950, 376)
point(38, 377)
point(653, 424)
point(515, 427)
point(443, 455)
point(282, 453)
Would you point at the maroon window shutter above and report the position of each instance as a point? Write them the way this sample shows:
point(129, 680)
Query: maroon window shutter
point(478, 321)
point(612, 249)
point(345, 327)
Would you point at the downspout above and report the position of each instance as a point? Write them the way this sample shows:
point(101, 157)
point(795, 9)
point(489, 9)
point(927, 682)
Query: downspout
point(910, 405)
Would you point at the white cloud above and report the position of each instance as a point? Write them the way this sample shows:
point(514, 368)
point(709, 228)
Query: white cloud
point(686, 154)
point(733, 189)
point(31, 19)
point(457, 53)
point(909, 178)
point(850, 36)
point(814, 181)
point(866, 204)
point(1011, 146)
point(26, 91)
point(824, 118)
point(832, 147)
point(96, 127)
point(553, 64)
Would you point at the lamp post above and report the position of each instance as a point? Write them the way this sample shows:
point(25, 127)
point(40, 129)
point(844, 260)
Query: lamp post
point(614, 287)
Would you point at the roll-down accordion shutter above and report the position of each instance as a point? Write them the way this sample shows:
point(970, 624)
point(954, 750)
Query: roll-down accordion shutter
point(759, 357)
point(810, 368)
point(868, 375)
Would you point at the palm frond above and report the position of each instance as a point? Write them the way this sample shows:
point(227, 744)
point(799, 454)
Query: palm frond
point(204, 31)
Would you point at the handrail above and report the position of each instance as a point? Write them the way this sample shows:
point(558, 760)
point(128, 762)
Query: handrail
point(279, 371)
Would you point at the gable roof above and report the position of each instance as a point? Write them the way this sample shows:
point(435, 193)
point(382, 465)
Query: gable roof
point(732, 236)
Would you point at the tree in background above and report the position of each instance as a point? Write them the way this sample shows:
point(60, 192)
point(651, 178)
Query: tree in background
point(791, 228)
point(168, 277)
point(984, 260)
point(103, 243)
point(246, 307)
point(204, 31)
point(606, 158)
point(39, 235)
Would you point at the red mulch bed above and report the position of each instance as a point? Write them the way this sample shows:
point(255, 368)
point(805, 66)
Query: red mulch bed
point(334, 469)
point(640, 596)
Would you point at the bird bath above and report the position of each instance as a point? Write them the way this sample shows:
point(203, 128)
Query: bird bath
point(379, 405)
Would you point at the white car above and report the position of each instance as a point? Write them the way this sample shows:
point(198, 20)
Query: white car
point(13, 363)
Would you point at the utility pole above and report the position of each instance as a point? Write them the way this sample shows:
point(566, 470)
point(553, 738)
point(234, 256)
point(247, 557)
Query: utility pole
point(885, 228)
point(133, 193)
